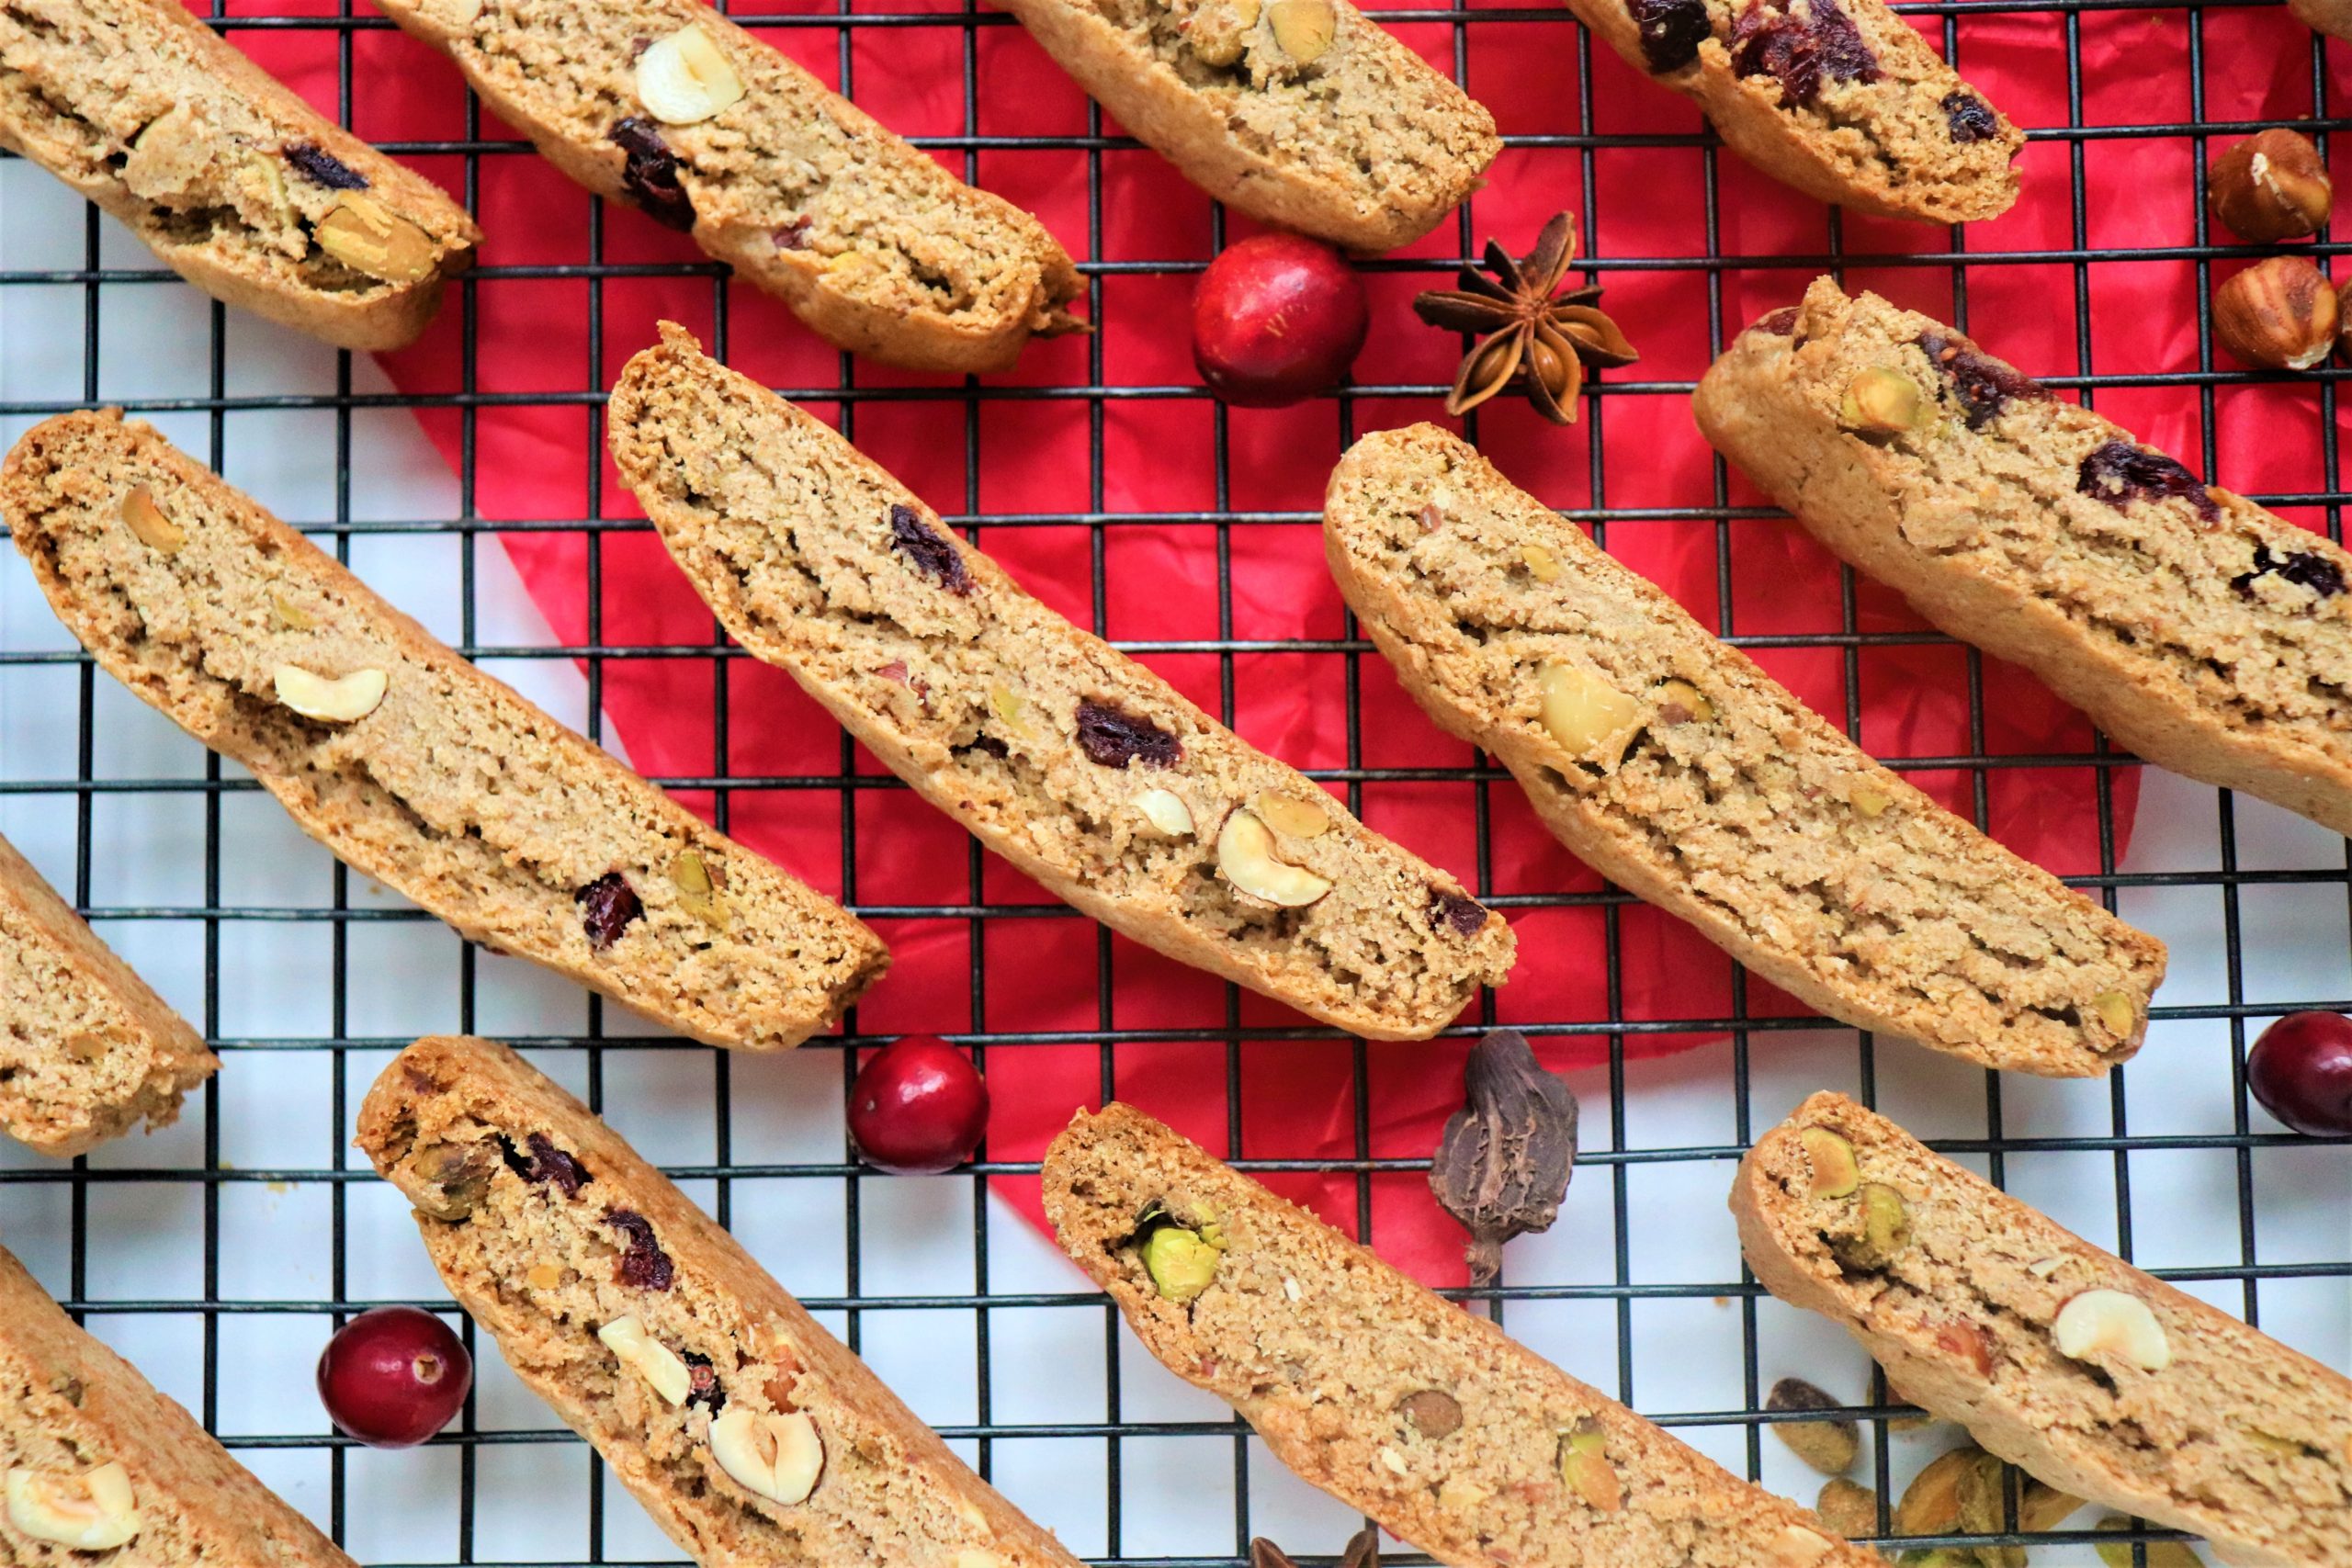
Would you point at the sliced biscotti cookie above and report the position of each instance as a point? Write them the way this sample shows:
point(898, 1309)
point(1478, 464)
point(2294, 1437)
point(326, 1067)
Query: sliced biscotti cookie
point(2333, 17)
point(230, 178)
point(2201, 631)
point(87, 1050)
point(1680, 771)
point(407, 762)
point(1840, 98)
point(96, 1466)
point(1382, 1393)
point(1079, 766)
point(751, 1435)
point(2060, 1358)
point(668, 105)
point(1298, 112)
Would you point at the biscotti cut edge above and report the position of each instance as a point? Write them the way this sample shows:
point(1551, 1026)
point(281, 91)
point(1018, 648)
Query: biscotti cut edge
point(2163, 675)
point(1378, 1391)
point(976, 694)
point(74, 1407)
point(443, 783)
point(833, 276)
point(549, 1230)
point(1869, 901)
point(71, 1009)
point(1956, 1291)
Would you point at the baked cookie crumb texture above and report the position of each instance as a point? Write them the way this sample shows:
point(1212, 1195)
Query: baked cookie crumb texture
point(1384, 1394)
point(1840, 98)
point(1085, 770)
point(2098, 1378)
point(95, 1466)
point(2204, 633)
point(226, 174)
point(749, 1433)
point(406, 760)
point(667, 105)
point(1682, 772)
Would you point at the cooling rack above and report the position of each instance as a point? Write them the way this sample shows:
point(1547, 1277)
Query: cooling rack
point(221, 1253)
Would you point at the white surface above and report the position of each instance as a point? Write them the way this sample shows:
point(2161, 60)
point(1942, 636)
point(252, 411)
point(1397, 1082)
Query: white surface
point(278, 1109)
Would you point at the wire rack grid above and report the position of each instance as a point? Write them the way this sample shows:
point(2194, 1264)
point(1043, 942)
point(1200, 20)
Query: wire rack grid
point(1611, 1290)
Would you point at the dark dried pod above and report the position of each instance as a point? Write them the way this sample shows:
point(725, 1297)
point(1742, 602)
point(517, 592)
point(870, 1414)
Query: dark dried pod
point(1504, 1162)
point(317, 164)
point(1362, 1551)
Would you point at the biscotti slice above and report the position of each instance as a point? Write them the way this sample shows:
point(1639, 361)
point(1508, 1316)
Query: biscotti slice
point(2333, 17)
point(1375, 1389)
point(407, 762)
point(2199, 630)
point(1079, 766)
point(2060, 1358)
point(95, 1466)
point(751, 1435)
point(1684, 773)
point(668, 105)
point(87, 1050)
point(230, 178)
point(1840, 98)
point(1302, 113)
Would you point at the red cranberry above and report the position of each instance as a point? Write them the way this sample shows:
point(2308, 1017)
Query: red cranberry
point(918, 1107)
point(2302, 1071)
point(1276, 319)
point(394, 1376)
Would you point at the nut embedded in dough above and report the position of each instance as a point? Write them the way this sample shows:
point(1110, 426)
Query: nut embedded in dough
point(95, 1511)
point(1245, 853)
point(777, 1455)
point(2112, 1324)
point(343, 700)
point(685, 78)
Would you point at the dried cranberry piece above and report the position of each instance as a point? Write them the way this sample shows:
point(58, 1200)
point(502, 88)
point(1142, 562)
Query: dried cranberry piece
point(1984, 385)
point(643, 1263)
point(1116, 738)
point(2316, 573)
point(931, 554)
point(324, 168)
point(1801, 52)
point(609, 905)
point(545, 1164)
point(2119, 473)
point(650, 175)
point(793, 236)
point(1466, 915)
point(1969, 118)
point(990, 744)
point(702, 1381)
point(1781, 322)
point(1671, 32)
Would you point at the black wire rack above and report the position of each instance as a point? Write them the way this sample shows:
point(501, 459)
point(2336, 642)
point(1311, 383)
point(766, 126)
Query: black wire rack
point(1617, 1161)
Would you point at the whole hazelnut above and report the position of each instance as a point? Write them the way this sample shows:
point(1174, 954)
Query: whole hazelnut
point(2279, 314)
point(2269, 188)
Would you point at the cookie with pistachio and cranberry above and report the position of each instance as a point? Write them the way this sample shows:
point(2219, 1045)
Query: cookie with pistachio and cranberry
point(749, 1433)
point(2199, 630)
point(1379, 1391)
point(1079, 766)
point(95, 1466)
point(229, 177)
point(1684, 773)
point(667, 105)
point(410, 764)
point(2062, 1359)
point(87, 1049)
point(1840, 98)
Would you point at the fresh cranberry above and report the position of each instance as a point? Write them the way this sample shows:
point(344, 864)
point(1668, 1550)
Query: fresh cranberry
point(394, 1376)
point(1276, 319)
point(2302, 1071)
point(918, 1107)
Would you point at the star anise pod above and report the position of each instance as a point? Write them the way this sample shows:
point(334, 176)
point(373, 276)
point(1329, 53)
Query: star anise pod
point(1362, 1551)
point(1529, 334)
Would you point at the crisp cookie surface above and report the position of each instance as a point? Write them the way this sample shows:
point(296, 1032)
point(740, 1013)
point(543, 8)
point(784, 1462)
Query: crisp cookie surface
point(2203, 631)
point(1735, 807)
point(517, 1186)
point(223, 172)
point(87, 1049)
point(450, 788)
point(2237, 1438)
point(1317, 1343)
point(868, 240)
point(68, 1405)
point(995, 709)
